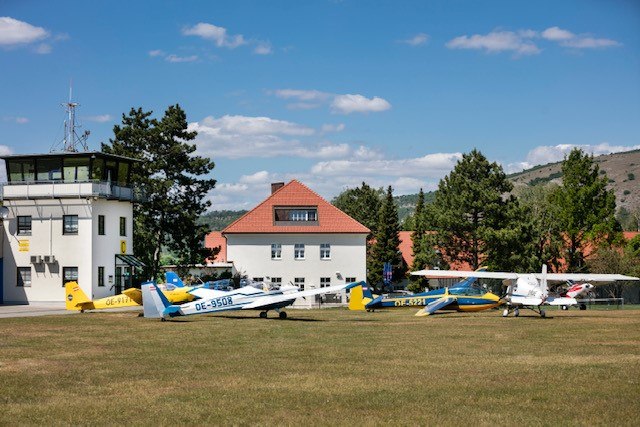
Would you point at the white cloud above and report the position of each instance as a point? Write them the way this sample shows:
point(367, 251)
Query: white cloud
point(583, 41)
point(177, 59)
point(260, 177)
point(156, 52)
point(557, 34)
point(497, 41)
point(5, 151)
point(18, 120)
point(302, 95)
point(245, 125)
point(328, 128)
point(431, 165)
point(43, 49)
point(101, 118)
point(347, 104)
point(417, 40)
point(260, 137)
point(263, 48)
point(544, 154)
point(14, 32)
point(217, 34)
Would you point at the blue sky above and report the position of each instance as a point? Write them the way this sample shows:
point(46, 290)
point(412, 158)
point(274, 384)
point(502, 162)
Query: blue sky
point(332, 93)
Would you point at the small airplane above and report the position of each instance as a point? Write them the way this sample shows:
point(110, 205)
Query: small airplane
point(529, 289)
point(465, 296)
point(156, 305)
point(78, 300)
point(174, 289)
point(576, 290)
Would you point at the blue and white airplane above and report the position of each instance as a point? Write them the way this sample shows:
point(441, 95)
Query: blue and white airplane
point(156, 305)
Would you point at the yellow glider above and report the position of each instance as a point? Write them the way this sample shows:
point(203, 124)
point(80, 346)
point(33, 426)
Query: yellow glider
point(78, 300)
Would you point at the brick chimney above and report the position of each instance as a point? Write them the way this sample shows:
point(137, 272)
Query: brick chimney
point(275, 186)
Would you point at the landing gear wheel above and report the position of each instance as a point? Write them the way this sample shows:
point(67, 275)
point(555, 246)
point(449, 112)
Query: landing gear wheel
point(282, 315)
point(543, 313)
point(516, 312)
point(583, 306)
point(81, 310)
point(565, 307)
point(505, 312)
point(162, 319)
point(263, 314)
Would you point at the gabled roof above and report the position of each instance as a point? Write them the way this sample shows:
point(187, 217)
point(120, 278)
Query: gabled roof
point(295, 194)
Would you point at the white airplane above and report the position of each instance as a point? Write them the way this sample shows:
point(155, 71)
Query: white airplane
point(529, 289)
point(156, 304)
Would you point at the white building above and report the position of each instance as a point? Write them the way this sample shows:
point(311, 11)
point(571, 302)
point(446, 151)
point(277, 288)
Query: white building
point(297, 237)
point(68, 217)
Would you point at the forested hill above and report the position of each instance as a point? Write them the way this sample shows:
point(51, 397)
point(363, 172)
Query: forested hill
point(622, 169)
point(217, 220)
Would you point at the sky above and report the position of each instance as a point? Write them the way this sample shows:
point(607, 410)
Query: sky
point(330, 92)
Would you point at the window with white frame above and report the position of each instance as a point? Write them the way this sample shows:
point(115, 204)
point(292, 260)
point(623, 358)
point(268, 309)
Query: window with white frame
point(24, 276)
point(276, 282)
point(258, 279)
point(325, 282)
point(325, 251)
point(350, 280)
point(298, 251)
point(299, 282)
point(276, 251)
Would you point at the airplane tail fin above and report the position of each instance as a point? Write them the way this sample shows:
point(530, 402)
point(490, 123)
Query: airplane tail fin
point(173, 278)
point(154, 301)
point(360, 296)
point(76, 298)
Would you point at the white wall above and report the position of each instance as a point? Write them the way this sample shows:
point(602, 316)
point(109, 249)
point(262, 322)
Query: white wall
point(86, 250)
point(106, 247)
point(251, 255)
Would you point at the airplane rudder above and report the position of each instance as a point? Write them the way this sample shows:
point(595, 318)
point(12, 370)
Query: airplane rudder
point(356, 297)
point(173, 278)
point(74, 296)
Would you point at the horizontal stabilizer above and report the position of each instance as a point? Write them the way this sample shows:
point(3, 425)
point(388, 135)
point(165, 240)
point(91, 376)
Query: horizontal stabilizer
point(135, 294)
point(438, 304)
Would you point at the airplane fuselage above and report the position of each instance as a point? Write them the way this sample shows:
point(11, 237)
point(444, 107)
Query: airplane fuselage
point(467, 303)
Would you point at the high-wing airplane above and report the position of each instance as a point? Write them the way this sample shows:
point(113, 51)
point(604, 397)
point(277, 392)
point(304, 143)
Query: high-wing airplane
point(78, 300)
point(529, 290)
point(465, 296)
point(156, 305)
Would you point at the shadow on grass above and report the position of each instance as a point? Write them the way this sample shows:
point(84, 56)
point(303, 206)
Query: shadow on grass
point(232, 317)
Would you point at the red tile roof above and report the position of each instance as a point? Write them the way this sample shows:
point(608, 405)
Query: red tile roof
point(406, 248)
point(213, 240)
point(330, 219)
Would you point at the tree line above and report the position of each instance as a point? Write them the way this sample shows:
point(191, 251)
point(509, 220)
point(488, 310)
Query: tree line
point(477, 219)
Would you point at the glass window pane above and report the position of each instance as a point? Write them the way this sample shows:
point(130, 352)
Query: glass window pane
point(123, 173)
point(49, 169)
point(15, 170)
point(29, 170)
point(98, 169)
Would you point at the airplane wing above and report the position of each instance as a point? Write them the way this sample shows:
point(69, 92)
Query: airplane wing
point(585, 277)
point(436, 305)
point(205, 293)
point(266, 301)
point(456, 273)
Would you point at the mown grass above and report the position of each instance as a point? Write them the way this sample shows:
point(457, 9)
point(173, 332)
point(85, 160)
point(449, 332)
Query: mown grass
point(323, 367)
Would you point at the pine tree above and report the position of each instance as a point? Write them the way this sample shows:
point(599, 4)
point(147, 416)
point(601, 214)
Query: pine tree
point(387, 242)
point(475, 221)
point(423, 251)
point(586, 209)
point(171, 179)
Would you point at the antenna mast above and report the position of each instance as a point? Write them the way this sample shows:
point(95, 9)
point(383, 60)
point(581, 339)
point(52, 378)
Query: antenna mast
point(71, 138)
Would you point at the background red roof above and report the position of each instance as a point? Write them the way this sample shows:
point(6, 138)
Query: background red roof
point(330, 219)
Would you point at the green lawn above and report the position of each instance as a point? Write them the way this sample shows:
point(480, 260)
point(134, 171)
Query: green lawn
point(323, 367)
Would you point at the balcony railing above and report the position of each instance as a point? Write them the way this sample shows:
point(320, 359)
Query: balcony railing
point(69, 189)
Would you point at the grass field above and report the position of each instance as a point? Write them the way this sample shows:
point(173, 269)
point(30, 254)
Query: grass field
point(323, 367)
